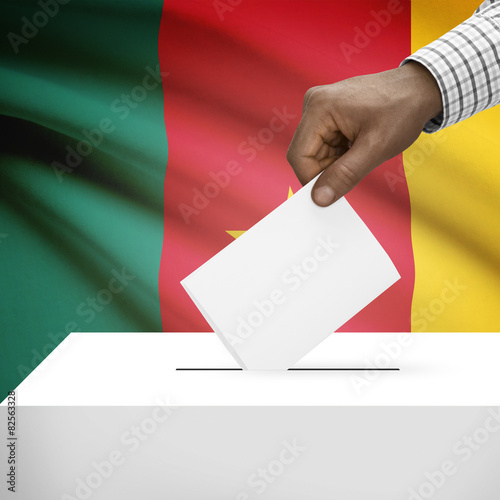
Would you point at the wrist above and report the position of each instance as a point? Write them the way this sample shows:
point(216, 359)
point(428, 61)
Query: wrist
point(423, 88)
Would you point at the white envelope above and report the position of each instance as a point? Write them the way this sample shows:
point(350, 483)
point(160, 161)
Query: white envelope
point(291, 280)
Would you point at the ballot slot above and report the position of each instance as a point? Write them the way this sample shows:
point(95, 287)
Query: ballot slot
point(391, 369)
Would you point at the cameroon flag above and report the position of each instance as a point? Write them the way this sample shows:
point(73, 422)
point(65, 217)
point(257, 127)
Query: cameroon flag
point(139, 138)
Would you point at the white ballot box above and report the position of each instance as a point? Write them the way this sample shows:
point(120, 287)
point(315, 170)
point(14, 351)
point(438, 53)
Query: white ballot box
point(172, 415)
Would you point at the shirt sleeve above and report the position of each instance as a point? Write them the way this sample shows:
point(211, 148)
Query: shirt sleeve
point(466, 65)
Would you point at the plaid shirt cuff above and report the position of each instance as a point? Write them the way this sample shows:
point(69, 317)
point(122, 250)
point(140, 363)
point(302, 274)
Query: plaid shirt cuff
point(466, 65)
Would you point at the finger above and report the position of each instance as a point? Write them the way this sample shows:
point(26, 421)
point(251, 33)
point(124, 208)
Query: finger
point(333, 155)
point(311, 143)
point(334, 148)
point(344, 173)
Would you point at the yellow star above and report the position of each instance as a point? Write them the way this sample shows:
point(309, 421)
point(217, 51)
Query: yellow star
point(237, 234)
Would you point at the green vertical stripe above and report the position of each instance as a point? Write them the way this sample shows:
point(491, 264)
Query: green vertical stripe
point(80, 245)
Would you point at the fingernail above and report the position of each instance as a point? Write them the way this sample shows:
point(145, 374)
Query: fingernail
point(323, 196)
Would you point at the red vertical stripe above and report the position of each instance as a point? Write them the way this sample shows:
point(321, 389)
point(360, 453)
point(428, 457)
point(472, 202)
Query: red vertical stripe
point(237, 73)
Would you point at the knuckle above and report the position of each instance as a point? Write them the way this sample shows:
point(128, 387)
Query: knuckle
point(347, 174)
point(311, 93)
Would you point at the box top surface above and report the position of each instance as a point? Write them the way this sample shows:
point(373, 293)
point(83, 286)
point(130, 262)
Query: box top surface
point(195, 369)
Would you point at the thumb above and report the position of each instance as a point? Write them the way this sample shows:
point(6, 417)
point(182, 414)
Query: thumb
point(343, 174)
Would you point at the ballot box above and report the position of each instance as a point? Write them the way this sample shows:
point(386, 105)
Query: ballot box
point(172, 415)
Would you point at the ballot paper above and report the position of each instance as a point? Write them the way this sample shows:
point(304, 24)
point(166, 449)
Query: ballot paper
point(291, 280)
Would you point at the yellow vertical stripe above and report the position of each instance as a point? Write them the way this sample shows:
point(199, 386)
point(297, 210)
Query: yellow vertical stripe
point(454, 183)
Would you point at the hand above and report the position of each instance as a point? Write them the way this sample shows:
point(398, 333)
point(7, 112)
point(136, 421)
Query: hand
point(350, 127)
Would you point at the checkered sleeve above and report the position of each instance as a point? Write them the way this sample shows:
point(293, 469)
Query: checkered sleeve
point(466, 65)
